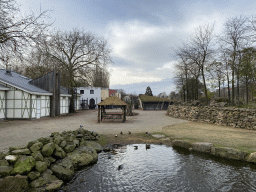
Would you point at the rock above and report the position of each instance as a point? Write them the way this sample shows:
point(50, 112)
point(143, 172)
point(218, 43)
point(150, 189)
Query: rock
point(31, 143)
point(41, 166)
point(5, 170)
point(63, 144)
point(69, 148)
point(38, 156)
point(33, 175)
point(107, 149)
point(21, 152)
point(48, 149)
point(202, 147)
point(15, 148)
point(64, 169)
point(49, 161)
point(182, 143)
point(58, 140)
point(59, 152)
point(48, 175)
point(94, 145)
point(230, 153)
point(14, 184)
point(2, 155)
point(24, 165)
point(45, 140)
point(76, 142)
point(80, 159)
point(252, 158)
point(80, 131)
point(54, 185)
point(79, 136)
point(36, 147)
point(4, 162)
point(55, 134)
point(12, 158)
point(38, 182)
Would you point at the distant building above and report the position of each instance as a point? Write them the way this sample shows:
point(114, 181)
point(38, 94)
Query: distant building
point(153, 103)
point(90, 96)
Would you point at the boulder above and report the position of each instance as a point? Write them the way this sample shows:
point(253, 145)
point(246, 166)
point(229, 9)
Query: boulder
point(45, 140)
point(252, 158)
point(48, 149)
point(12, 158)
point(76, 142)
point(21, 152)
point(33, 175)
point(14, 184)
point(63, 144)
point(80, 159)
point(54, 185)
point(59, 152)
point(2, 155)
point(36, 147)
point(69, 148)
point(15, 148)
point(230, 153)
point(5, 170)
point(41, 166)
point(202, 147)
point(64, 169)
point(38, 182)
point(80, 131)
point(31, 143)
point(24, 165)
point(4, 162)
point(94, 145)
point(38, 156)
point(182, 143)
point(58, 140)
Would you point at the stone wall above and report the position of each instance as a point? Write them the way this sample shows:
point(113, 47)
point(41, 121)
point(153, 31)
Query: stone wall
point(227, 116)
point(46, 163)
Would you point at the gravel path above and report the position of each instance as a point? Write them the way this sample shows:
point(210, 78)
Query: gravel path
point(20, 132)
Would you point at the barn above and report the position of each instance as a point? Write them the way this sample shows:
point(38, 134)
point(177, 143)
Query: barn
point(21, 100)
point(153, 103)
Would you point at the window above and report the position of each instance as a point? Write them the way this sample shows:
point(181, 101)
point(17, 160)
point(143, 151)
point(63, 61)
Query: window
point(81, 91)
point(91, 91)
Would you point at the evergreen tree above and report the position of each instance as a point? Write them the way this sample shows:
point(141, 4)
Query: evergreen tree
point(148, 91)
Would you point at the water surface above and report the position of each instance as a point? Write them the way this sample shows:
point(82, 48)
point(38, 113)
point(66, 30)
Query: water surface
point(163, 168)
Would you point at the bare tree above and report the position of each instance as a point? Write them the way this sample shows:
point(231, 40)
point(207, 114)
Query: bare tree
point(100, 77)
point(75, 53)
point(16, 31)
point(235, 36)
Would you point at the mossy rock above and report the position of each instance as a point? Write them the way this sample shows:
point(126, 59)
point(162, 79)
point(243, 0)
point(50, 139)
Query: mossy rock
point(48, 149)
point(41, 166)
point(21, 152)
point(94, 145)
point(36, 147)
point(31, 143)
point(14, 184)
point(2, 155)
point(4, 162)
point(38, 182)
point(5, 170)
point(38, 156)
point(24, 165)
point(33, 175)
point(59, 153)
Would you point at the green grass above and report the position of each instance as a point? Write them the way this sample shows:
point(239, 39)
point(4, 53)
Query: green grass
point(103, 141)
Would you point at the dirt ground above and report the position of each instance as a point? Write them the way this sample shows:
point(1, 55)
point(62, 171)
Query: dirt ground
point(20, 132)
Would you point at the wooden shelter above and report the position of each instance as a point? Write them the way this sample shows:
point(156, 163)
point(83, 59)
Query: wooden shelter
point(112, 100)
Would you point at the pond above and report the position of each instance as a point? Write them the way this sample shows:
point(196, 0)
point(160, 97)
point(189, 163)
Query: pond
point(162, 168)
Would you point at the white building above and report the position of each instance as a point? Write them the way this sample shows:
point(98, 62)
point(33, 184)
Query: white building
point(20, 99)
point(90, 97)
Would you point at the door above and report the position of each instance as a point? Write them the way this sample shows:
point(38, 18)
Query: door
point(38, 107)
point(92, 104)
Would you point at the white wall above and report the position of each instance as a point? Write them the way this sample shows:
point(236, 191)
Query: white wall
point(87, 95)
point(2, 104)
point(64, 104)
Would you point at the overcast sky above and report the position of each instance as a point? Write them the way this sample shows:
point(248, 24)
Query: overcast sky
point(142, 34)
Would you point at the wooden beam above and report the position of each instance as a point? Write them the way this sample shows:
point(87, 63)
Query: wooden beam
point(99, 108)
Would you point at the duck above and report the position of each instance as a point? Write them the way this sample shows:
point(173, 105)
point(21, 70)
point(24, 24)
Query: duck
point(121, 133)
point(147, 146)
point(130, 132)
point(135, 147)
point(120, 167)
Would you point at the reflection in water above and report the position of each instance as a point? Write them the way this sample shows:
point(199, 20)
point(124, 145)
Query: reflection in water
point(161, 168)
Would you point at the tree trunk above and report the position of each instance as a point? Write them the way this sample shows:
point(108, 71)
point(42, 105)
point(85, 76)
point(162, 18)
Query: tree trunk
point(205, 89)
point(238, 99)
point(247, 92)
point(219, 87)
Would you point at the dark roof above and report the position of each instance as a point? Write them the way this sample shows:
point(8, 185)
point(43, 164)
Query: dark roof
point(21, 82)
point(112, 100)
point(146, 98)
point(2, 87)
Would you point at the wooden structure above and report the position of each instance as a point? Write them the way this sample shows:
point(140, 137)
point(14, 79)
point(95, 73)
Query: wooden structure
point(154, 103)
point(112, 100)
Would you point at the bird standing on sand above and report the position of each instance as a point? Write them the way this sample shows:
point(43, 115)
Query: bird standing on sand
point(121, 133)
point(130, 132)
point(81, 126)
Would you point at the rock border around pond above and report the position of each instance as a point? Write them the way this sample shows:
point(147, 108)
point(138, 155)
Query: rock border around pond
point(224, 152)
point(46, 163)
